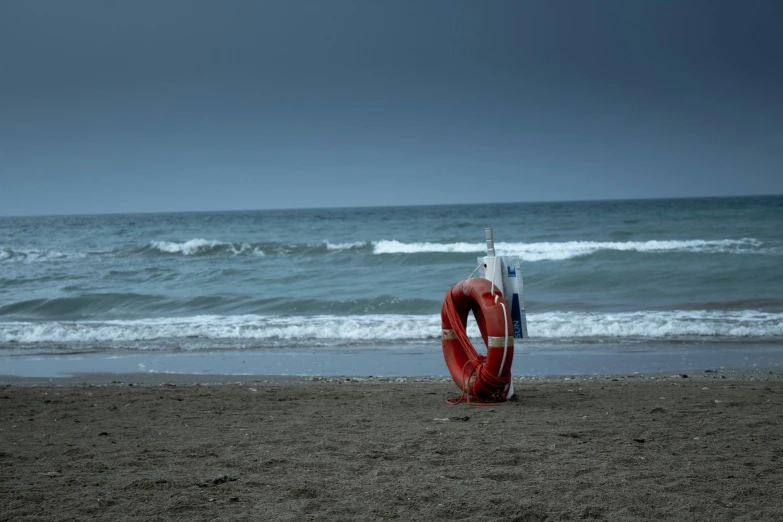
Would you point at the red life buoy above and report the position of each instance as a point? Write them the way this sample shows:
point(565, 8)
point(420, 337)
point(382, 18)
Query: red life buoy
point(483, 377)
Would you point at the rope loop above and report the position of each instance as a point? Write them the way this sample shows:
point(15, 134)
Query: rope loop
point(476, 378)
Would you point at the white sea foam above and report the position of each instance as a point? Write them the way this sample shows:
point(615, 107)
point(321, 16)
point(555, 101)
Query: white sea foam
point(187, 248)
point(344, 246)
point(557, 251)
point(32, 255)
point(658, 324)
point(300, 330)
point(540, 251)
point(396, 247)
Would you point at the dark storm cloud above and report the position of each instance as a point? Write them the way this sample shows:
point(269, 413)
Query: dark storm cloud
point(204, 105)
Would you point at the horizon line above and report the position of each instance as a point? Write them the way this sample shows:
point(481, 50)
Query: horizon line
point(359, 207)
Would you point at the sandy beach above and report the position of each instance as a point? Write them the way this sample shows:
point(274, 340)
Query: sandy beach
point(701, 447)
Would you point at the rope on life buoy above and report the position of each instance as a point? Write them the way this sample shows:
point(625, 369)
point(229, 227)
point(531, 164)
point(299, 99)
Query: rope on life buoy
point(483, 379)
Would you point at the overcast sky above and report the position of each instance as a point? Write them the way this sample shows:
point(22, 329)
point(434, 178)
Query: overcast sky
point(167, 105)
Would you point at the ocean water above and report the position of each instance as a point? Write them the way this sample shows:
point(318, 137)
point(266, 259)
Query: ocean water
point(648, 276)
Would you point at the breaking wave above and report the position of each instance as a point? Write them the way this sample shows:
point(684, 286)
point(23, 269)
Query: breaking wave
point(540, 251)
point(32, 256)
point(263, 331)
point(558, 251)
point(198, 247)
point(203, 246)
point(659, 324)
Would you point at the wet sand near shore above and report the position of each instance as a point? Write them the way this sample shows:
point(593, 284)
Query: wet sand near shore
point(666, 447)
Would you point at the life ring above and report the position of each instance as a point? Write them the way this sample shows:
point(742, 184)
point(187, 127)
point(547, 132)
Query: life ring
point(483, 377)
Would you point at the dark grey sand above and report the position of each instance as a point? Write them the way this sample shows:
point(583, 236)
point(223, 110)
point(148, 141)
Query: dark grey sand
point(705, 447)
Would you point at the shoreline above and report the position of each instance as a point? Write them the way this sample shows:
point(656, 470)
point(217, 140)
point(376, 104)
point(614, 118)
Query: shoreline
point(532, 360)
point(184, 379)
